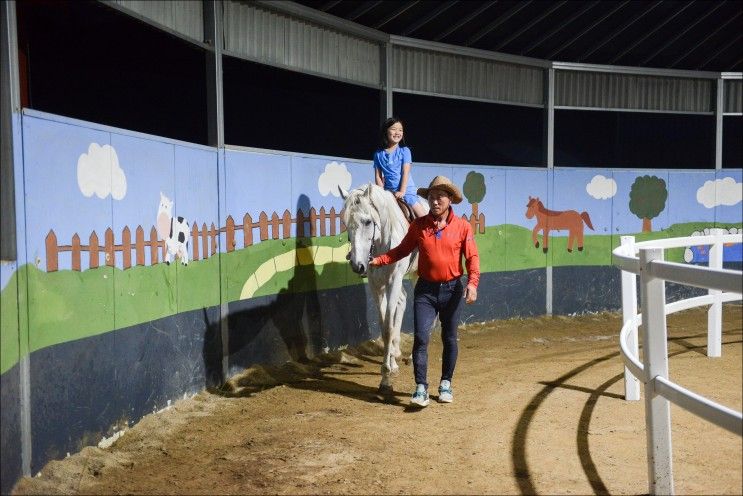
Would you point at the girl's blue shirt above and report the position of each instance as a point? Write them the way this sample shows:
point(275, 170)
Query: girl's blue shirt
point(391, 166)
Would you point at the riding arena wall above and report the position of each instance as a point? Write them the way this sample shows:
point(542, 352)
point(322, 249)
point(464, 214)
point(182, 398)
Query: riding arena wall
point(109, 332)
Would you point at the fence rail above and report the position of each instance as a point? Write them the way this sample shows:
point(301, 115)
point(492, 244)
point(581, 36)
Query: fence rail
point(724, 285)
point(204, 240)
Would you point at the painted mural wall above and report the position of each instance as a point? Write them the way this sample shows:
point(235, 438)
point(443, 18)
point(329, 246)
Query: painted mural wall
point(150, 268)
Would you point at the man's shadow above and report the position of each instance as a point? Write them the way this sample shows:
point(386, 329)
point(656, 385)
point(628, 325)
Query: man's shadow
point(298, 324)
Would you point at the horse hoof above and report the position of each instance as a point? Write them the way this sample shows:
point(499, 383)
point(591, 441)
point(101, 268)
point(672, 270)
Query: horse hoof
point(570, 250)
point(544, 250)
point(385, 390)
point(167, 263)
point(536, 245)
point(580, 248)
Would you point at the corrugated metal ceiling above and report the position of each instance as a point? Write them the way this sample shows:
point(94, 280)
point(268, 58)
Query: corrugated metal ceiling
point(695, 35)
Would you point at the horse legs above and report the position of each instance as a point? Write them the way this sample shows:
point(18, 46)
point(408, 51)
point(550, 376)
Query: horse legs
point(545, 239)
point(571, 235)
point(389, 305)
point(385, 385)
point(580, 238)
point(534, 235)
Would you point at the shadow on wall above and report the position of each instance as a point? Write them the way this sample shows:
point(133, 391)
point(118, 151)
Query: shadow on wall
point(296, 324)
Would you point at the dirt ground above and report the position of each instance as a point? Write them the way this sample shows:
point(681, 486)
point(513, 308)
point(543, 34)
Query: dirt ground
point(538, 409)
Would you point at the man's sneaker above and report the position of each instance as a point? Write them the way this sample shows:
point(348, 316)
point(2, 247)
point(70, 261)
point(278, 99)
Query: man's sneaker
point(445, 393)
point(420, 396)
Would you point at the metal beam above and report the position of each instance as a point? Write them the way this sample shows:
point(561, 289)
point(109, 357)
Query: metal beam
point(650, 33)
point(620, 30)
point(329, 5)
point(362, 9)
point(560, 25)
point(732, 42)
point(428, 18)
point(465, 20)
point(528, 26)
point(705, 40)
point(591, 27)
point(396, 14)
point(497, 22)
point(682, 33)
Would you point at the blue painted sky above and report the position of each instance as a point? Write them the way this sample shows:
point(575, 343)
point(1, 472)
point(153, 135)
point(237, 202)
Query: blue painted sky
point(274, 182)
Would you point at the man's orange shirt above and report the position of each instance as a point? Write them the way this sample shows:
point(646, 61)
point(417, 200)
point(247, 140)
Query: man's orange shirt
point(440, 253)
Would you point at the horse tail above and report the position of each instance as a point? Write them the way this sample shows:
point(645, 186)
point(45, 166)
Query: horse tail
point(587, 220)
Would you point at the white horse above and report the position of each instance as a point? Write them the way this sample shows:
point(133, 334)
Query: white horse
point(375, 224)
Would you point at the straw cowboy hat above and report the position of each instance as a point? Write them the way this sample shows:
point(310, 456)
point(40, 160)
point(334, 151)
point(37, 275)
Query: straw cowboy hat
point(442, 183)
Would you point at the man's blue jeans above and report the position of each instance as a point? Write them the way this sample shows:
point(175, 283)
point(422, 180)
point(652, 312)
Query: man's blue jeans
point(431, 299)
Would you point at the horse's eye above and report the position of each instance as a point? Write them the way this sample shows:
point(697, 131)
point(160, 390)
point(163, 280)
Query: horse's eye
point(367, 222)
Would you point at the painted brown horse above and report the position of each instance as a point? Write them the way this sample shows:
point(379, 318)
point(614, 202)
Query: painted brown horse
point(548, 220)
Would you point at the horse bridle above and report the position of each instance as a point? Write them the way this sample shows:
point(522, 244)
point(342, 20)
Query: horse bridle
point(373, 238)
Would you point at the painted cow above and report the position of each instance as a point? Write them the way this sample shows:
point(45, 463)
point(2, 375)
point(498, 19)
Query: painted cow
point(174, 231)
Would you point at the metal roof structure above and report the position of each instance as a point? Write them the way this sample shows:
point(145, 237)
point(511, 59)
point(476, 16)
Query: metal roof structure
point(705, 35)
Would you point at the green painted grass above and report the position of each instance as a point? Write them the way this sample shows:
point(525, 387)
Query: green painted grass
point(67, 305)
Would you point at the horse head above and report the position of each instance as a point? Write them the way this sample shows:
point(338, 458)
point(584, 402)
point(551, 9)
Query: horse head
point(532, 207)
point(362, 222)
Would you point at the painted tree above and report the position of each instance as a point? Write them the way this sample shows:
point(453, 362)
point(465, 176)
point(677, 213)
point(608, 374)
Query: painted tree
point(474, 189)
point(647, 199)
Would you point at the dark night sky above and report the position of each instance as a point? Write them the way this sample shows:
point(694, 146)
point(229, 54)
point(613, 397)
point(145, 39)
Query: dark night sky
point(88, 61)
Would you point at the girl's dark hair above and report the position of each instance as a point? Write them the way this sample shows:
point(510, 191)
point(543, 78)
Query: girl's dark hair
point(388, 124)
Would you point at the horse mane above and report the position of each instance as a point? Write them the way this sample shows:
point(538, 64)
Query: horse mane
point(541, 208)
point(382, 207)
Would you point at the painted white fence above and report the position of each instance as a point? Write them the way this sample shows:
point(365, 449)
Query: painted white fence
point(724, 285)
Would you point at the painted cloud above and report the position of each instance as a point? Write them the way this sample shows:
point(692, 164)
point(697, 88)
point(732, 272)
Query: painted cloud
point(720, 192)
point(98, 172)
point(602, 188)
point(335, 175)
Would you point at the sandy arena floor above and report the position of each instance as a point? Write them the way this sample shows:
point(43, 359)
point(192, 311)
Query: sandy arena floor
point(538, 409)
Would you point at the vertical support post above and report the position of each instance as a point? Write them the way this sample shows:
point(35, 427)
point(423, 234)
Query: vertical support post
point(549, 157)
point(629, 311)
point(385, 77)
point(719, 109)
point(213, 29)
point(214, 36)
point(12, 206)
point(714, 314)
point(655, 363)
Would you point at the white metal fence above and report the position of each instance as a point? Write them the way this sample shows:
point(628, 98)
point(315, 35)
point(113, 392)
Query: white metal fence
point(724, 285)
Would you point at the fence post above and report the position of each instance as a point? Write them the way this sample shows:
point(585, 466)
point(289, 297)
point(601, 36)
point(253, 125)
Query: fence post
point(300, 223)
point(275, 226)
point(195, 241)
point(322, 221)
point(655, 363)
point(52, 255)
point(229, 232)
point(333, 217)
point(714, 314)
point(481, 223)
point(139, 244)
point(93, 250)
point(126, 247)
point(629, 310)
point(247, 231)
point(76, 252)
point(109, 248)
point(204, 241)
point(214, 233)
point(313, 222)
point(263, 226)
point(154, 245)
point(286, 225)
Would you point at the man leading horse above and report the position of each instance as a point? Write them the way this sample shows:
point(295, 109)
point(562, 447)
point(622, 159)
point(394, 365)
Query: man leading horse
point(442, 239)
